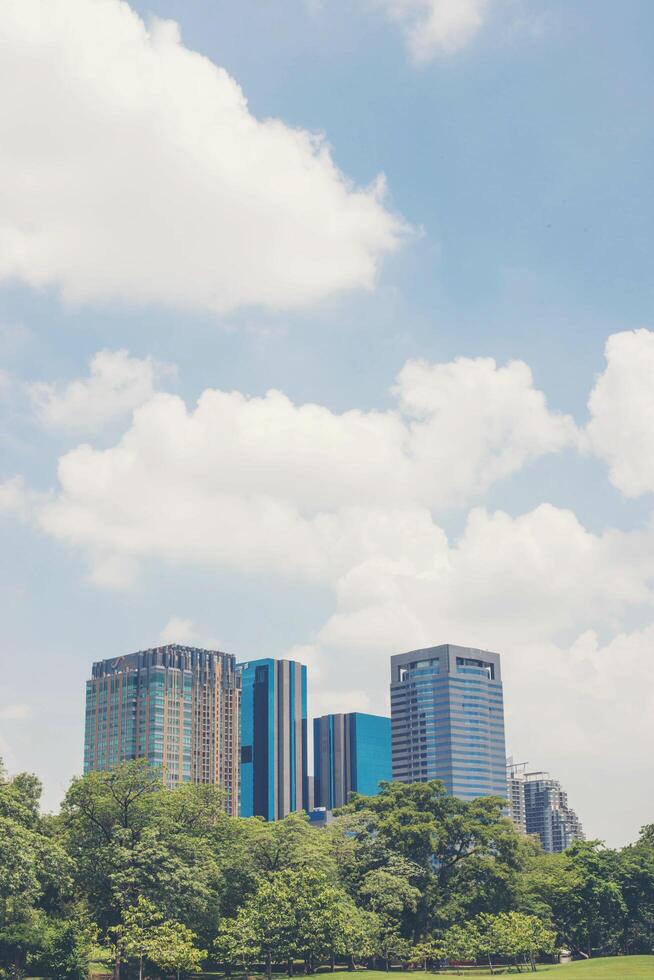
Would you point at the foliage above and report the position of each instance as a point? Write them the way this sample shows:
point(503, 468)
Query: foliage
point(410, 875)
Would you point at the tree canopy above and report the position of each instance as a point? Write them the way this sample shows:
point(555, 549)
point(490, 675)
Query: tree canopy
point(165, 879)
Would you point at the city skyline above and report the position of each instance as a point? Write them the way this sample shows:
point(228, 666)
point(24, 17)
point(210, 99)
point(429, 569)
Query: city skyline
point(201, 717)
point(327, 331)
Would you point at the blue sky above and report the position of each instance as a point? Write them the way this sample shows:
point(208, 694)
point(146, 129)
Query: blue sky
point(516, 225)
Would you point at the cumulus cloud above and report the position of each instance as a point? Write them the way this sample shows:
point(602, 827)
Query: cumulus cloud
point(144, 178)
point(621, 429)
point(431, 26)
point(538, 588)
point(117, 384)
point(186, 633)
point(262, 483)
point(353, 501)
point(14, 712)
point(14, 497)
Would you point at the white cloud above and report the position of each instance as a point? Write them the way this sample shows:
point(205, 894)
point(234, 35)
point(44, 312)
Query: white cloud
point(14, 497)
point(261, 483)
point(621, 430)
point(352, 501)
point(14, 712)
point(117, 384)
point(186, 633)
point(536, 588)
point(143, 178)
point(431, 26)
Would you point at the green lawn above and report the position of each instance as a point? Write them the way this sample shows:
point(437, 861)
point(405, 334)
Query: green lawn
point(606, 968)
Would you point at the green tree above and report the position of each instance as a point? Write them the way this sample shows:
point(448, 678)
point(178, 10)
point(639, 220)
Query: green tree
point(264, 927)
point(68, 948)
point(467, 853)
point(35, 874)
point(131, 837)
point(593, 916)
point(172, 947)
point(635, 874)
point(515, 935)
point(133, 937)
point(461, 943)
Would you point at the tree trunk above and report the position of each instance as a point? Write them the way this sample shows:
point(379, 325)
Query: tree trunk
point(268, 965)
point(350, 964)
point(289, 967)
point(117, 967)
point(490, 965)
point(332, 962)
point(141, 967)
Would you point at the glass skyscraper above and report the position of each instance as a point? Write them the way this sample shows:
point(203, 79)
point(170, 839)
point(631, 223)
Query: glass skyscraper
point(351, 753)
point(447, 717)
point(177, 707)
point(273, 738)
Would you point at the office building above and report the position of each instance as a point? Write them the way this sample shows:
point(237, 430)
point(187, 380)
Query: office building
point(447, 718)
point(515, 793)
point(351, 754)
point(175, 706)
point(273, 738)
point(547, 813)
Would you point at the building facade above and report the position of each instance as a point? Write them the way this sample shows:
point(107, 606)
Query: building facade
point(547, 812)
point(176, 707)
point(274, 779)
point(351, 754)
point(515, 793)
point(447, 716)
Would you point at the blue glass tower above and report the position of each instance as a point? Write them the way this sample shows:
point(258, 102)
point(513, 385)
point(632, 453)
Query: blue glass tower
point(447, 714)
point(273, 738)
point(351, 754)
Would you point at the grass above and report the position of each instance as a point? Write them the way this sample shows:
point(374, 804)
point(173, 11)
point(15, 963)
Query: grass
point(605, 968)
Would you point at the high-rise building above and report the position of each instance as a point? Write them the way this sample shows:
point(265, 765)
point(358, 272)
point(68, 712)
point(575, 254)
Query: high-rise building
point(175, 706)
point(447, 718)
point(515, 793)
point(351, 754)
point(273, 738)
point(547, 813)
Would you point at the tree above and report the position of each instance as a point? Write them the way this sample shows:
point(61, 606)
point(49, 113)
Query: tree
point(172, 947)
point(515, 935)
point(68, 948)
point(466, 853)
point(429, 950)
point(35, 873)
point(264, 926)
point(593, 915)
point(131, 837)
point(134, 935)
point(635, 876)
point(461, 943)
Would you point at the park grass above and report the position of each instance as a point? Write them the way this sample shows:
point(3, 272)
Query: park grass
point(604, 968)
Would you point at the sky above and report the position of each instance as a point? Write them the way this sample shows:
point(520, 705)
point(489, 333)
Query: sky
point(327, 332)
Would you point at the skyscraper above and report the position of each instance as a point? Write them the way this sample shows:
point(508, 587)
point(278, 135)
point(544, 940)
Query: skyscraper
point(515, 793)
point(175, 706)
point(351, 753)
point(273, 738)
point(448, 720)
point(547, 813)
